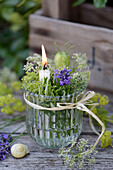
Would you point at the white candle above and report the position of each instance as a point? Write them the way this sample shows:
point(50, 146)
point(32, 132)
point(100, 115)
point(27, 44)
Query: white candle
point(44, 73)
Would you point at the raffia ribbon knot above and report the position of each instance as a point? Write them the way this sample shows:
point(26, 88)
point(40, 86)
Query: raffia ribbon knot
point(80, 105)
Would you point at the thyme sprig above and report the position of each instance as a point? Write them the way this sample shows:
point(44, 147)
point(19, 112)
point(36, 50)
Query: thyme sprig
point(81, 156)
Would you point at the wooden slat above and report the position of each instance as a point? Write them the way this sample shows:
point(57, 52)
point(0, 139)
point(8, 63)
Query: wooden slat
point(88, 14)
point(56, 9)
point(96, 42)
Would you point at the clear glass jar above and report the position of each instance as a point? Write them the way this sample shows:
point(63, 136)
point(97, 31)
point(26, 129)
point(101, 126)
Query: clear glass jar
point(53, 129)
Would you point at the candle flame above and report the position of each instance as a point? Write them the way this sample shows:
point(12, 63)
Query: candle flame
point(44, 56)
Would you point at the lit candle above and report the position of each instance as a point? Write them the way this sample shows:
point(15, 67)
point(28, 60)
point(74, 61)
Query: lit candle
point(44, 73)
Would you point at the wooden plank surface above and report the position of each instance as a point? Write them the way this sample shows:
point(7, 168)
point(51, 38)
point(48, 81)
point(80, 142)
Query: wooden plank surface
point(47, 159)
point(96, 42)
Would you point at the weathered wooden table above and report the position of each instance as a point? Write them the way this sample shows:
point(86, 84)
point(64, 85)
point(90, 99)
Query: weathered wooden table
point(47, 159)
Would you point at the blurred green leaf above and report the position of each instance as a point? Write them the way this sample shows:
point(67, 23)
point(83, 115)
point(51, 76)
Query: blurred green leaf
point(10, 62)
point(97, 3)
point(10, 3)
point(15, 27)
point(18, 44)
point(3, 52)
point(23, 54)
point(17, 18)
point(21, 3)
point(19, 69)
point(100, 3)
point(30, 4)
point(6, 12)
point(79, 2)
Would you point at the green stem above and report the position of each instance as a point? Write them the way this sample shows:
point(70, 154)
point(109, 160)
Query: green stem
point(8, 124)
point(66, 44)
point(17, 137)
point(3, 123)
point(69, 49)
point(21, 3)
point(3, 120)
point(17, 129)
point(12, 120)
point(21, 135)
point(17, 118)
point(57, 47)
point(109, 120)
point(82, 153)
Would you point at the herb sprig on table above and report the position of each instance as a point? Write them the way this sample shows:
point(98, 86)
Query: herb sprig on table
point(78, 154)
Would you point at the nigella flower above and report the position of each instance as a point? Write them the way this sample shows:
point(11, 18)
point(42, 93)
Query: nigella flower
point(5, 147)
point(63, 76)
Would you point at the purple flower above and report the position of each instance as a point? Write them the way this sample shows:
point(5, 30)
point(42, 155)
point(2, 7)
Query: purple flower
point(63, 76)
point(5, 136)
point(5, 147)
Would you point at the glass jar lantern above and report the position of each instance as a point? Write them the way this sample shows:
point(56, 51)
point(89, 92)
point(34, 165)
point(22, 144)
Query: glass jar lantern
point(53, 129)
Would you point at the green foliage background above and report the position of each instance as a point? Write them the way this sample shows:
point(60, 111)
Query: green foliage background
point(97, 3)
point(14, 32)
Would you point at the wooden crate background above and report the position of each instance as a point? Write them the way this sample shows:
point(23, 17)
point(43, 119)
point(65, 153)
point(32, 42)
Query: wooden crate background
point(96, 42)
point(85, 13)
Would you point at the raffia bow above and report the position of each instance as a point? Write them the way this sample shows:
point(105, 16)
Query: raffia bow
point(80, 105)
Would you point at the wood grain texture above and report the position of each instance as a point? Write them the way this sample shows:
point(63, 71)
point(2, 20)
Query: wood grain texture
point(96, 42)
point(42, 158)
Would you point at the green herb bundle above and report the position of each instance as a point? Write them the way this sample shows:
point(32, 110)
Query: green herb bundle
point(68, 74)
